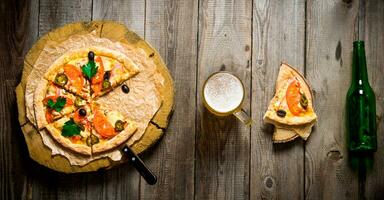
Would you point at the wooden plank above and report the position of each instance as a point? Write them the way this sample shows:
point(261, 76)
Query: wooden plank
point(42, 182)
point(130, 13)
point(13, 156)
point(278, 36)
point(16, 33)
point(222, 144)
point(374, 45)
point(171, 28)
point(33, 24)
point(331, 30)
point(56, 13)
point(52, 15)
point(123, 181)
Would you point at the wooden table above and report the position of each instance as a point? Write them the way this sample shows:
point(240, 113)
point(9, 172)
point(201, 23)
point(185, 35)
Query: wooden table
point(201, 156)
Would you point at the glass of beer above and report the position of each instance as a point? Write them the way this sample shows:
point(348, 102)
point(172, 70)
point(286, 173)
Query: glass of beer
point(223, 94)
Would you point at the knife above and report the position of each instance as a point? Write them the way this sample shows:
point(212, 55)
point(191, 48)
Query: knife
point(139, 165)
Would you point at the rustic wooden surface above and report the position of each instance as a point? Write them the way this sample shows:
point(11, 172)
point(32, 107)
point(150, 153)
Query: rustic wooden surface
point(203, 157)
point(278, 35)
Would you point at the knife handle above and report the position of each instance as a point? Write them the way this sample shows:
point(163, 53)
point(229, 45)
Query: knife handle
point(144, 171)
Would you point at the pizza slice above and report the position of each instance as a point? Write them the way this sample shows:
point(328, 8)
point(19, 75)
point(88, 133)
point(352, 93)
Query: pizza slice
point(111, 128)
point(110, 74)
point(292, 103)
point(70, 77)
point(53, 102)
point(73, 131)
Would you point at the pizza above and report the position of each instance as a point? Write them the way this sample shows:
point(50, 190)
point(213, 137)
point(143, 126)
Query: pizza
point(65, 103)
point(73, 131)
point(54, 102)
point(291, 108)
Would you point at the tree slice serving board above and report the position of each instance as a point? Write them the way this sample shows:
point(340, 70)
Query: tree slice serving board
point(115, 32)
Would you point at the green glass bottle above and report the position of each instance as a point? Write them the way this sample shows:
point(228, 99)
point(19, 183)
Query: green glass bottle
point(361, 105)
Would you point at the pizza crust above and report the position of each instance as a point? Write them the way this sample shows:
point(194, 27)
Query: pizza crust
point(40, 109)
point(116, 140)
point(79, 148)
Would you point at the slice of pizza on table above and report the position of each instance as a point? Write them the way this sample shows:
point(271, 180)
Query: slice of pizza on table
point(52, 102)
point(111, 72)
point(291, 108)
point(110, 127)
point(73, 131)
point(69, 76)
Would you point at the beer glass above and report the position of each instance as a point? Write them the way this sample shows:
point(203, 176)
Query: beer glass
point(223, 94)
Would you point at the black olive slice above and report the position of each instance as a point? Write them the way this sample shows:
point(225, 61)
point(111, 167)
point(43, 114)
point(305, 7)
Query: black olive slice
point(281, 113)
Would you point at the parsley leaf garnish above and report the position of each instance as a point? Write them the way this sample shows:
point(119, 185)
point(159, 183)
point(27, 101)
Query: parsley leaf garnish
point(70, 128)
point(89, 69)
point(58, 105)
point(50, 103)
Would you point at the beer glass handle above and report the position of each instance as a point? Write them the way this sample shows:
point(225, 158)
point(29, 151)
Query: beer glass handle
point(243, 117)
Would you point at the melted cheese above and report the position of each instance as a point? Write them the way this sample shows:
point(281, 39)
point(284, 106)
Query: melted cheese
point(108, 63)
point(84, 133)
point(60, 123)
point(67, 109)
point(113, 116)
point(79, 62)
point(51, 90)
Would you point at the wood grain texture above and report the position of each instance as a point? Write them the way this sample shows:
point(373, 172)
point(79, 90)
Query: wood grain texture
point(16, 34)
point(131, 13)
point(222, 144)
point(230, 162)
point(55, 13)
point(374, 44)
point(123, 182)
point(278, 36)
point(170, 27)
point(330, 33)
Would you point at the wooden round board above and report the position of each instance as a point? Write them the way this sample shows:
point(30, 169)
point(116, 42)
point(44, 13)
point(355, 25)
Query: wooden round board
point(115, 32)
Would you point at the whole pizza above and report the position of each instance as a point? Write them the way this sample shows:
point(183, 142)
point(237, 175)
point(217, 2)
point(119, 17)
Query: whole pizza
point(88, 95)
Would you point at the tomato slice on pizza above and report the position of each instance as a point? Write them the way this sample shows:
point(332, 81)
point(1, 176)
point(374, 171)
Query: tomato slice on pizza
point(111, 128)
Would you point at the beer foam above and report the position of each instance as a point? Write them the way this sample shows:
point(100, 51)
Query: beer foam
point(223, 92)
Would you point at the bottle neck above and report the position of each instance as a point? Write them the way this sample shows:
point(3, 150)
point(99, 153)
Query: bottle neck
point(359, 64)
